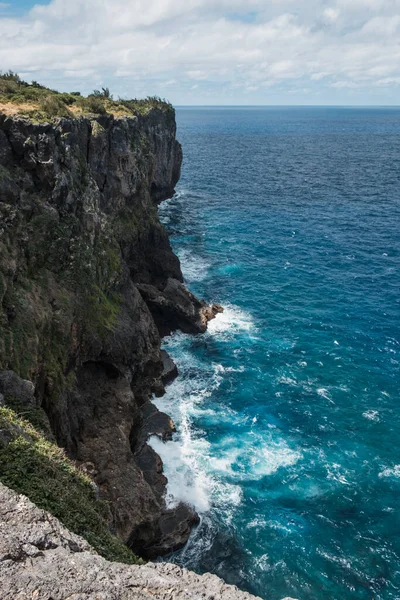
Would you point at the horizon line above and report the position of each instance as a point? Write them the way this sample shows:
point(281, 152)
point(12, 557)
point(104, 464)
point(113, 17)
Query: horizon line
point(287, 106)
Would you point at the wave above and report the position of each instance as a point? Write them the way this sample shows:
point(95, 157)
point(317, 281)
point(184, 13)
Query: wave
point(208, 472)
point(252, 455)
point(232, 320)
point(187, 482)
point(194, 268)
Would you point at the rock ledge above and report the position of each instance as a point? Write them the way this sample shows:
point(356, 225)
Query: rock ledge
point(41, 560)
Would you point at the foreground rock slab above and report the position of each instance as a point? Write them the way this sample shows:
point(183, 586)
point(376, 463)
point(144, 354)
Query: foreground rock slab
point(41, 560)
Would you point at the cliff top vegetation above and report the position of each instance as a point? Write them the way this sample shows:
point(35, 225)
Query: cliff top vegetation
point(17, 97)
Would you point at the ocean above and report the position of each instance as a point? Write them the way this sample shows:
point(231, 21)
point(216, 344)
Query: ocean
point(287, 409)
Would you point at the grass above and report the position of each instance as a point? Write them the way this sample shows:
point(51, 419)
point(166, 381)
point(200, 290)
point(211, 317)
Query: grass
point(33, 465)
point(41, 103)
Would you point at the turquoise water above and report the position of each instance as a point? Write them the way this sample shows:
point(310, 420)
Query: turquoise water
point(288, 408)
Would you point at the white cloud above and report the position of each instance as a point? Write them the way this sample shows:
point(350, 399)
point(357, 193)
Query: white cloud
point(331, 14)
point(346, 44)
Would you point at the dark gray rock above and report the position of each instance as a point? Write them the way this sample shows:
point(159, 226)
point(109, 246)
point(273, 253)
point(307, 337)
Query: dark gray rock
point(17, 388)
point(173, 307)
point(170, 370)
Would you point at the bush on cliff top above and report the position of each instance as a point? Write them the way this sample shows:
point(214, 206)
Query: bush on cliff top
point(41, 103)
point(33, 465)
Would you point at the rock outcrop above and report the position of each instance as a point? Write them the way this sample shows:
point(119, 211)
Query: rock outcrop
point(88, 284)
point(40, 559)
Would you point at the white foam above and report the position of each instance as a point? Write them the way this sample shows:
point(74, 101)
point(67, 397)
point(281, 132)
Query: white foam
point(337, 473)
point(194, 268)
point(186, 481)
point(372, 415)
point(257, 522)
point(254, 455)
point(324, 393)
point(206, 474)
point(233, 319)
point(287, 381)
point(391, 472)
point(221, 369)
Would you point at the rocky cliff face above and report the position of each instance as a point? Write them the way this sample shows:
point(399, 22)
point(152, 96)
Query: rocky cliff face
point(40, 559)
point(88, 283)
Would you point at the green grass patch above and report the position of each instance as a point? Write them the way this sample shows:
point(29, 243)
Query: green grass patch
point(31, 464)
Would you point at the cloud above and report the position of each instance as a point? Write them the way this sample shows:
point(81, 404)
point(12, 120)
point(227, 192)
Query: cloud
point(338, 45)
point(331, 14)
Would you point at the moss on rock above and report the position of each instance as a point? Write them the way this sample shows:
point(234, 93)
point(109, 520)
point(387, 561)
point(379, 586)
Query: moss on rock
point(33, 465)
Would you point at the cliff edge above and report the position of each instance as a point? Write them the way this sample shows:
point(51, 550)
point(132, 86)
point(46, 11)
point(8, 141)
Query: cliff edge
point(40, 559)
point(88, 284)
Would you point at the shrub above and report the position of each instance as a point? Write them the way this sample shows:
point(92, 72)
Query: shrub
point(68, 99)
point(94, 104)
point(53, 106)
point(10, 76)
point(35, 84)
point(105, 93)
point(8, 86)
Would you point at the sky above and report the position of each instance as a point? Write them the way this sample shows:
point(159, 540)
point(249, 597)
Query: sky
point(210, 52)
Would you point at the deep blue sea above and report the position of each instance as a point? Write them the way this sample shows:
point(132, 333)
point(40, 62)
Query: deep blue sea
point(287, 409)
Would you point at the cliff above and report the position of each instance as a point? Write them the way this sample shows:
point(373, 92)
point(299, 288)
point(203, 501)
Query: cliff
point(88, 284)
point(40, 559)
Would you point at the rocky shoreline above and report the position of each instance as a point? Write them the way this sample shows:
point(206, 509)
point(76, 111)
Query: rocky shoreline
point(88, 286)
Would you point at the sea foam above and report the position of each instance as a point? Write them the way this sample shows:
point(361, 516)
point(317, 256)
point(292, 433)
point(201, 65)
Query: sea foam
point(232, 320)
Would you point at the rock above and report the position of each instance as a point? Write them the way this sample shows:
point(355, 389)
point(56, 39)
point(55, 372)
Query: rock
point(214, 310)
point(6, 437)
point(170, 370)
point(19, 389)
point(9, 431)
point(40, 559)
point(156, 423)
point(173, 307)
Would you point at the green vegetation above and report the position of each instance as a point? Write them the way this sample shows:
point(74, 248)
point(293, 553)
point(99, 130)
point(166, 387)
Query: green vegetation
point(32, 414)
point(54, 107)
point(41, 103)
point(31, 464)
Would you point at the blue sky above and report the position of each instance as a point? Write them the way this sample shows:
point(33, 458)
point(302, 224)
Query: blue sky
point(16, 7)
point(210, 51)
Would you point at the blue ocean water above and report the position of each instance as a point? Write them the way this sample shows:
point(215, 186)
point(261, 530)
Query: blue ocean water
point(288, 407)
